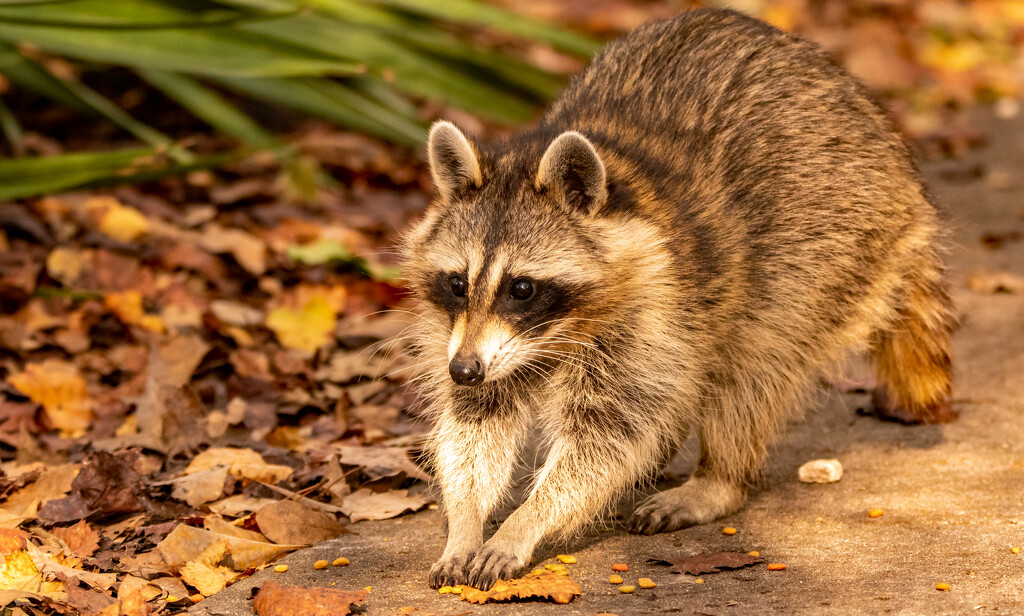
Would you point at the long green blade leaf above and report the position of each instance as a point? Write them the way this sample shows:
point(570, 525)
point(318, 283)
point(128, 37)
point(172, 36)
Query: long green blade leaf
point(209, 107)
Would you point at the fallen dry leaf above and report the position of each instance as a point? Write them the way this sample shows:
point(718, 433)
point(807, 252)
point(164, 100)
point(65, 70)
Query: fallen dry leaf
point(81, 538)
point(366, 504)
point(53, 483)
point(119, 221)
point(275, 599)
point(12, 540)
point(709, 563)
point(304, 329)
point(249, 250)
point(381, 461)
point(61, 391)
point(204, 572)
point(19, 572)
point(289, 522)
point(543, 585)
point(202, 487)
point(186, 543)
point(241, 462)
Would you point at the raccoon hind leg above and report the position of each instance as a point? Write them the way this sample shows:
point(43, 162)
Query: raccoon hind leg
point(911, 355)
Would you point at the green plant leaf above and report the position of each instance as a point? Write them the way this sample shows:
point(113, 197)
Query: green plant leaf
point(208, 106)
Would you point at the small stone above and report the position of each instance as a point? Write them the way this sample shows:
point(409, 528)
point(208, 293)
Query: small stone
point(821, 471)
point(1015, 550)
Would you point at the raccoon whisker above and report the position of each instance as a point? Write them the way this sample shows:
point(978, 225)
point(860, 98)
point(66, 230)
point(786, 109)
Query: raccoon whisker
point(563, 358)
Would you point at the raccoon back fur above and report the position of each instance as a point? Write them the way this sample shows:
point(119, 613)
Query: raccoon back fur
point(707, 221)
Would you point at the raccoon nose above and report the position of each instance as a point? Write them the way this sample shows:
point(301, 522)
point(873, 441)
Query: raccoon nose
point(466, 370)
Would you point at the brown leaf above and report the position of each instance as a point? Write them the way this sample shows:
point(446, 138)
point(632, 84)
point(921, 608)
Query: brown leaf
point(81, 539)
point(289, 522)
point(108, 483)
point(709, 563)
point(86, 600)
point(275, 599)
point(202, 487)
point(368, 505)
point(382, 461)
point(544, 585)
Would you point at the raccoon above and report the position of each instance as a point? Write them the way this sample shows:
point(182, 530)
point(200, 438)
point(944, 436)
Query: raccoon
point(709, 219)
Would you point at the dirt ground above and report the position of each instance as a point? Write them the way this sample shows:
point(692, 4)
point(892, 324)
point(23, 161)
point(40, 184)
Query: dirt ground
point(953, 495)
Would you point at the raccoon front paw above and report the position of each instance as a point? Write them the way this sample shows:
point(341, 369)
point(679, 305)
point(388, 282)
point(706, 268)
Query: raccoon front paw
point(451, 570)
point(492, 564)
point(698, 501)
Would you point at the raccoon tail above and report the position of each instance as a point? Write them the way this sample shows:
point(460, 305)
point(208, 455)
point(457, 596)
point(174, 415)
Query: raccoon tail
point(912, 356)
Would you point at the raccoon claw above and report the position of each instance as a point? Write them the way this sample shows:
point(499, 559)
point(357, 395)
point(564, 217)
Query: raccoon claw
point(653, 517)
point(491, 565)
point(450, 571)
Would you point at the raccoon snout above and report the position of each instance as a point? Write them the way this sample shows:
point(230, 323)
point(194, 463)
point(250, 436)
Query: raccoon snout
point(466, 370)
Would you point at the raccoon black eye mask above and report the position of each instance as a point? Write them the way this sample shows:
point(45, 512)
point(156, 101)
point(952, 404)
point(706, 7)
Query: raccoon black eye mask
point(765, 221)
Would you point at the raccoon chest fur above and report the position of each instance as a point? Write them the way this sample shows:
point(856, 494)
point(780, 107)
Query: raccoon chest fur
point(711, 217)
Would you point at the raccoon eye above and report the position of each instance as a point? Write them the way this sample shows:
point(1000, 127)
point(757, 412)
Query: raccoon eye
point(458, 286)
point(521, 289)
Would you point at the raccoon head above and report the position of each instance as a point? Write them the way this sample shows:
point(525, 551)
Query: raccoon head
point(506, 258)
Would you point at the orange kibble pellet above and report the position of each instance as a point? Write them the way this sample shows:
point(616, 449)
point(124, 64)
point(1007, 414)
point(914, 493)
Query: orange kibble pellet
point(942, 586)
point(1015, 550)
point(567, 559)
point(615, 579)
point(728, 530)
point(627, 589)
point(196, 598)
point(776, 566)
point(620, 567)
point(444, 590)
point(280, 568)
point(699, 581)
point(321, 564)
point(555, 567)
point(875, 513)
point(340, 562)
point(754, 553)
point(645, 583)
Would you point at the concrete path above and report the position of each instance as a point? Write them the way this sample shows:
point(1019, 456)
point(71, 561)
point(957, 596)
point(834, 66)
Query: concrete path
point(953, 495)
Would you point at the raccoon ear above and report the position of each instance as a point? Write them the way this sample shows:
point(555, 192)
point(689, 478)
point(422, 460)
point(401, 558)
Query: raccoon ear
point(573, 170)
point(453, 161)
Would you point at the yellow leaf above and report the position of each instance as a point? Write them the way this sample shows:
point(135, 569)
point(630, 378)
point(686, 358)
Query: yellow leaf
point(127, 305)
point(18, 572)
point(543, 585)
point(62, 392)
point(65, 265)
point(305, 329)
point(119, 221)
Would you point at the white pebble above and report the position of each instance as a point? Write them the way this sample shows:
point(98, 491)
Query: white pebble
point(821, 471)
